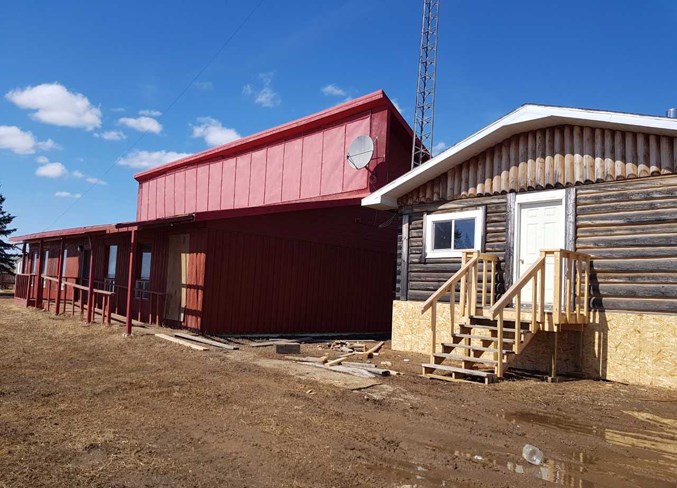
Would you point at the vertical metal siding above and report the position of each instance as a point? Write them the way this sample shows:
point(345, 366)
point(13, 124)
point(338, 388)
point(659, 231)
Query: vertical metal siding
point(256, 283)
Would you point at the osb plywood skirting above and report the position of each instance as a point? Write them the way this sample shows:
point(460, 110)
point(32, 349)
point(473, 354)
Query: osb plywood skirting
point(635, 348)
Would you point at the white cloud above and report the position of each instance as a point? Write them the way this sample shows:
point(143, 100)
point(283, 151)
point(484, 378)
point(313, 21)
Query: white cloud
point(142, 124)
point(67, 194)
point(95, 181)
point(149, 159)
point(22, 142)
point(332, 90)
point(265, 96)
point(54, 104)
point(213, 132)
point(42, 160)
point(204, 85)
point(111, 135)
point(439, 147)
point(52, 170)
point(89, 179)
point(150, 113)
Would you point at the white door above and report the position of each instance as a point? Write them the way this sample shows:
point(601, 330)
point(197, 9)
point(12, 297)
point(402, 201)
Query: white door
point(541, 226)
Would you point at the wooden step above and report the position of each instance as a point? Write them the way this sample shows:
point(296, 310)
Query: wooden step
point(478, 348)
point(461, 357)
point(428, 370)
point(480, 337)
point(494, 327)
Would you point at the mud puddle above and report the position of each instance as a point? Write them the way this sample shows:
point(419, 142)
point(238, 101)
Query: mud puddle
point(649, 457)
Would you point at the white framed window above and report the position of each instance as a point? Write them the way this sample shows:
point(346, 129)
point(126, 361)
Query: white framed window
point(448, 234)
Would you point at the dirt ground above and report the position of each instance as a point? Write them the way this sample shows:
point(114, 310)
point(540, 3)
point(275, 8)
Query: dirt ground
point(84, 406)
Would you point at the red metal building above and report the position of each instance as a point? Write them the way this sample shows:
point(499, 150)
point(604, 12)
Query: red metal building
point(262, 235)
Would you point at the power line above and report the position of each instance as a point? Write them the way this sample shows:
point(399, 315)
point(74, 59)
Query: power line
point(167, 109)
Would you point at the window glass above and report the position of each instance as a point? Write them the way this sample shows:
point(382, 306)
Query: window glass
point(34, 264)
point(45, 260)
point(464, 234)
point(442, 235)
point(145, 262)
point(112, 261)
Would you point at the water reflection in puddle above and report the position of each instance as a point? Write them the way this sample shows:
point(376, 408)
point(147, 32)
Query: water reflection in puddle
point(555, 471)
point(659, 460)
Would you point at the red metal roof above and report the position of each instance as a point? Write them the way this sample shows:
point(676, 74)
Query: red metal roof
point(305, 124)
point(57, 234)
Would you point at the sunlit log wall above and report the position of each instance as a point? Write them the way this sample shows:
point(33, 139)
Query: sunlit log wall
point(555, 157)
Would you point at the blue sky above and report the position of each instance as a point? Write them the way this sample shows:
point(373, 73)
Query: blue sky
point(80, 80)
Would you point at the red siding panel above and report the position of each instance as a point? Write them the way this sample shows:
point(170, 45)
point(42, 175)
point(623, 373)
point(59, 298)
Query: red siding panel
point(180, 192)
point(274, 168)
point(228, 184)
point(170, 195)
point(355, 179)
point(152, 199)
point(258, 178)
point(202, 187)
point(255, 283)
point(242, 180)
point(291, 177)
point(160, 198)
point(215, 174)
point(333, 160)
point(311, 165)
point(191, 190)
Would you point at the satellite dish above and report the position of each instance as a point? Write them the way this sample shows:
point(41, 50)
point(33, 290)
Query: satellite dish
point(360, 152)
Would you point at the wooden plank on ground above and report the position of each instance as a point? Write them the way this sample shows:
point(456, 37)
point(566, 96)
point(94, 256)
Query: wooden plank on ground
point(271, 343)
point(182, 342)
point(204, 340)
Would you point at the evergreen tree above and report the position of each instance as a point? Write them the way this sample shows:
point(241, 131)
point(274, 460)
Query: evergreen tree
point(7, 250)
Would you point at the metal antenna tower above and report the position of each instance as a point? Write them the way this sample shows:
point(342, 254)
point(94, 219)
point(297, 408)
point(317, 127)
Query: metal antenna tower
point(424, 114)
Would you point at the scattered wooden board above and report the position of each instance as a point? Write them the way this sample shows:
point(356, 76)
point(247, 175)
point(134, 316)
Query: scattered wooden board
point(370, 352)
point(271, 343)
point(182, 342)
point(339, 360)
point(309, 359)
point(204, 340)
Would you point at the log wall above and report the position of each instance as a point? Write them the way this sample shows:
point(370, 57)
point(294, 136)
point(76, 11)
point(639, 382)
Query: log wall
point(554, 157)
point(426, 276)
point(630, 230)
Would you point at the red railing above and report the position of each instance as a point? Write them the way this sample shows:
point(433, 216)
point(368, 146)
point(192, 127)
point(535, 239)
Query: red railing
point(73, 293)
point(24, 286)
point(100, 298)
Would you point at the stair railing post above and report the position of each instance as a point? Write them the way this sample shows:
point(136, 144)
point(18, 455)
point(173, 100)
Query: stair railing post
point(541, 291)
point(534, 302)
point(492, 279)
point(518, 324)
point(569, 286)
point(452, 300)
point(586, 310)
point(499, 346)
point(433, 331)
point(463, 287)
point(473, 285)
point(557, 289)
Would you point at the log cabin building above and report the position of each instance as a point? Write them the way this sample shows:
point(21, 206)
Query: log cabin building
point(265, 235)
point(545, 241)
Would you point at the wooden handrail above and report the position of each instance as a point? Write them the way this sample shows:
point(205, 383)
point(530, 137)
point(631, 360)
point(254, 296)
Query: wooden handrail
point(507, 297)
point(570, 288)
point(467, 276)
point(451, 282)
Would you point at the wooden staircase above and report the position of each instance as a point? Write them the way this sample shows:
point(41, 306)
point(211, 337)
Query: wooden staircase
point(492, 333)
